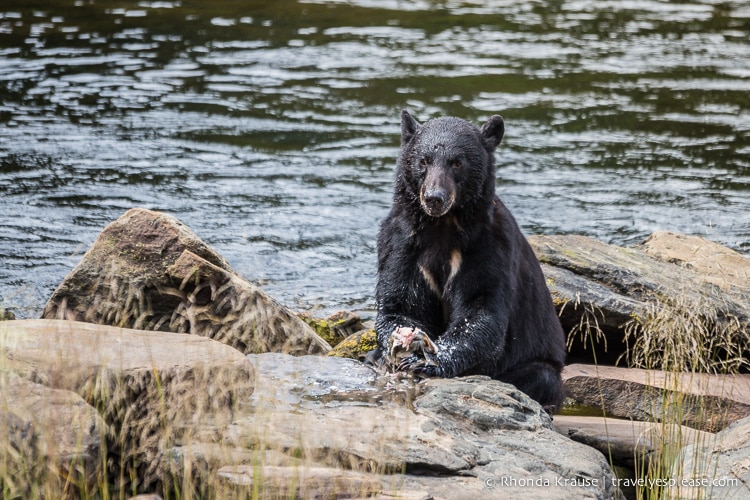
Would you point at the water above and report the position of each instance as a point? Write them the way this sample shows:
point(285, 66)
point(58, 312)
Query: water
point(271, 127)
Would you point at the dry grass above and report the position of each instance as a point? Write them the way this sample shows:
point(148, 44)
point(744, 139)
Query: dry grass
point(676, 335)
point(118, 434)
point(684, 336)
point(587, 332)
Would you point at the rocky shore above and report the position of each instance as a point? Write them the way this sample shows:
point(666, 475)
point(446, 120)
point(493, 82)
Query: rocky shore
point(157, 370)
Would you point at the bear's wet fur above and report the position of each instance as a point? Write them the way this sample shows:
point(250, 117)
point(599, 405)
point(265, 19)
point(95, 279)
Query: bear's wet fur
point(453, 262)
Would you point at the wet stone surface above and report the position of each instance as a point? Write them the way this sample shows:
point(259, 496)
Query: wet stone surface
point(333, 417)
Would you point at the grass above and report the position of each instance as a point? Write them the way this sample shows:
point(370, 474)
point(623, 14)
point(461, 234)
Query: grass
point(680, 335)
point(685, 339)
point(112, 437)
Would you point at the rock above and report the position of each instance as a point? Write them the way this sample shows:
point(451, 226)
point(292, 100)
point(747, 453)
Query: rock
point(618, 301)
point(182, 415)
point(624, 441)
point(336, 327)
point(148, 271)
point(326, 426)
point(153, 389)
point(716, 264)
point(715, 468)
point(237, 313)
point(702, 401)
point(6, 315)
point(50, 437)
point(356, 345)
point(303, 482)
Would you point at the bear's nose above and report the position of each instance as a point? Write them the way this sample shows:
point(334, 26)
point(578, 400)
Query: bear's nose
point(436, 200)
point(434, 197)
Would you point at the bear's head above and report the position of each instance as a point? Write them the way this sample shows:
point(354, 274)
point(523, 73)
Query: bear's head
point(447, 164)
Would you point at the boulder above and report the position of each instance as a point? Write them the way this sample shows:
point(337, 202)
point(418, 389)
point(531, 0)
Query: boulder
point(356, 345)
point(328, 426)
point(51, 442)
point(227, 308)
point(714, 468)
point(148, 271)
point(714, 263)
point(5, 314)
point(153, 389)
point(336, 327)
point(627, 443)
point(629, 304)
point(699, 400)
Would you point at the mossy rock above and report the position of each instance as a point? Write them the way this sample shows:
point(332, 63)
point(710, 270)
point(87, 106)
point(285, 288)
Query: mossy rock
point(6, 315)
point(356, 346)
point(336, 327)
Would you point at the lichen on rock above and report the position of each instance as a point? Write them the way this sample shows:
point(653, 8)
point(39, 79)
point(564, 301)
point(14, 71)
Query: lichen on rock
point(334, 328)
point(356, 346)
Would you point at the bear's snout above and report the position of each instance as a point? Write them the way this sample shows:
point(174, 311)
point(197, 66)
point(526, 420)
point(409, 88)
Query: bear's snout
point(433, 201)
point(437, 194)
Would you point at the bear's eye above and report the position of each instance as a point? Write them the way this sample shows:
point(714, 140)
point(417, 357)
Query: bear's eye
point(457, 163)
point(423, 164)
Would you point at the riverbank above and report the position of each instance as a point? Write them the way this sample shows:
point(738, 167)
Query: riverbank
point(157, 411)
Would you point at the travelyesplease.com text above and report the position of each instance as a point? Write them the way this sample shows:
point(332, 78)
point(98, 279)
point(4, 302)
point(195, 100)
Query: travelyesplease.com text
point(590, 482)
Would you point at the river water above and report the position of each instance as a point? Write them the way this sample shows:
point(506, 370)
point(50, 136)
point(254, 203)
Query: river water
point(271, 127)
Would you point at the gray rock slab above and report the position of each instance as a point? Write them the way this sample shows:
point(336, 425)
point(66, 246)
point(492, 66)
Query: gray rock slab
point(687, 285)
point(624, 441)
point(717, 468)
point(151, 388)
point(339, 422)
point(704, 401)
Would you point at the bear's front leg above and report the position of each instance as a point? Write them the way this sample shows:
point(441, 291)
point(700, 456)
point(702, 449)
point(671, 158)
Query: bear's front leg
point(466, 344)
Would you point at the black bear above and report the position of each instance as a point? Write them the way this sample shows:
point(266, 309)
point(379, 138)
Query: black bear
point(454, 265)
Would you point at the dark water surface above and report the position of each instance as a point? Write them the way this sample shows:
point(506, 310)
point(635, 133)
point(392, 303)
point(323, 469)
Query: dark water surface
point(271, 127)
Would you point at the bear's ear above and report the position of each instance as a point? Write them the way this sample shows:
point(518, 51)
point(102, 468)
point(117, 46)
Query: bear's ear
point(493, 131)
point(409, 126)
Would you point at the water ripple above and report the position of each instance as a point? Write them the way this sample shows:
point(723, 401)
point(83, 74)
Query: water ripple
point(273, 132)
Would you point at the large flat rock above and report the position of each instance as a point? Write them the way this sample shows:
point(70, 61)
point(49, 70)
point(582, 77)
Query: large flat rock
point(706, 402)
point(151, 388)
point(182, 415)
point(627, 441)
point(326, 426)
